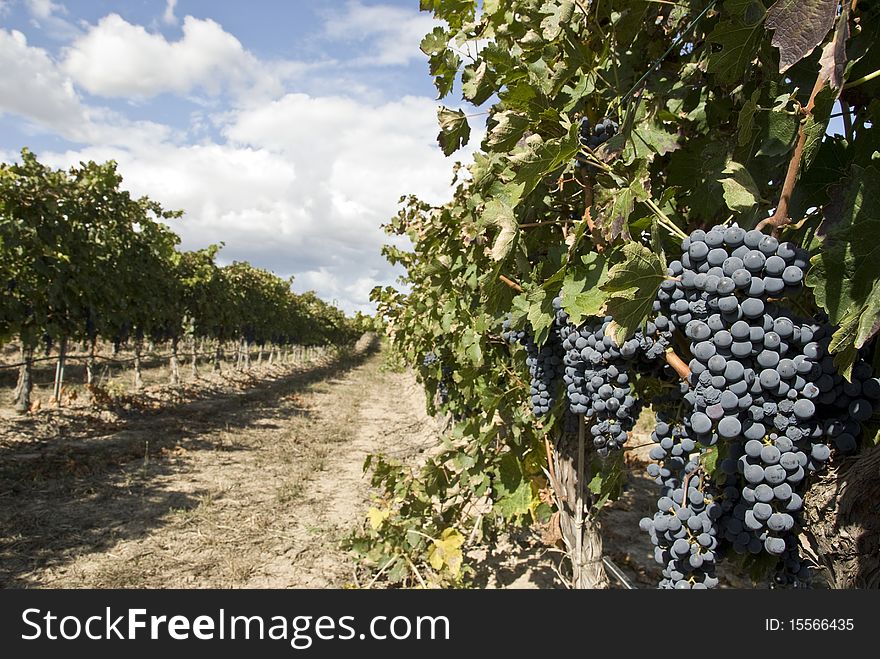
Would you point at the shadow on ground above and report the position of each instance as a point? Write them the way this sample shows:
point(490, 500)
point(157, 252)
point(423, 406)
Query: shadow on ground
point(75, 484)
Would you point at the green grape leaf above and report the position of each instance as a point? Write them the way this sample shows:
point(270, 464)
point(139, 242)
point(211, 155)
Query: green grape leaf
point(508, 130)
point(613, 207)
point(816, 124)
point(738, 39)
point(514, 490)
point(540, 313)
point(746, 120)
point(455, 12)
point(607, 481)
point(470, 343)
point(455, 131)
point(709, 460)
point(633, 285)
point(845, 274)
point(435, 42)
point(538, 158)
point(799, 26)
point(500, 214)
point(444, 68)
point(477, 83)
point(581, 294)
point(782, 129)
point(740, 191)
point(650, 139)
point(559, 15)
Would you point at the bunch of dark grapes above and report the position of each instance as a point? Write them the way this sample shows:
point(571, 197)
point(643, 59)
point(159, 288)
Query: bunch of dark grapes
point(842, 405)
point(431, 359)
point(684, 530)
point(545, 366)
point(757, 375)
point(593, 137)
point(672, 436)
point(443, 385)
point(597, 382)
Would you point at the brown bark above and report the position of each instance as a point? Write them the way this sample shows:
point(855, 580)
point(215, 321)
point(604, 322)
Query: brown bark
point(25, 385)
point(677, 363)
point(194, 359)
point(842, 511)
point(581, 531)
point(780, 216)
point(512, 284)
point(91, 363)
point(59, 372)
point(175, 363)
point(138, 375)
point(217, 354)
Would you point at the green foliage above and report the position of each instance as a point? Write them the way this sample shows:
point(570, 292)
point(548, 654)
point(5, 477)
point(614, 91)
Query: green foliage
point(710, 104)
point(80, 258)
point(845, 274)
point(417, 530)
point(632, 286)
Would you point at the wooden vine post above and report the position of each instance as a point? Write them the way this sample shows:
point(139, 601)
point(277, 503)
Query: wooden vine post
point(175, 362)
point(91, 362)
point(578, 523)
point(138, 375)
point(193, 358)
point(25, 384)
point(59, 372)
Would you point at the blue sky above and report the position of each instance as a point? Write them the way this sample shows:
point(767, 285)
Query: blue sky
point(288, 130)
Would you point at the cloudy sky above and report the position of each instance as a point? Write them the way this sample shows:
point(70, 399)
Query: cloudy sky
point(286, 129)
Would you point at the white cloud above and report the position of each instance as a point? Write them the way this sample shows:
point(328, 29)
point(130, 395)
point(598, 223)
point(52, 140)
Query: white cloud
point(32, 87)
point(168, 17)
point(118, 59)
point(297, 183)
point(48, 16)
point(301, 187)
point(392, 33)
point(45, 8)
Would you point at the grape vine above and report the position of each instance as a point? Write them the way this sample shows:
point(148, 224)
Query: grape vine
point(618, 133)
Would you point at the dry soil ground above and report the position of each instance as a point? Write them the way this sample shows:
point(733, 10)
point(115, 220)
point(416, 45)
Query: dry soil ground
point(241, 484)
point(237, 481)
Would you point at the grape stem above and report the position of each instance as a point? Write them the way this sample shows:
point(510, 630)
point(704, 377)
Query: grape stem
point(664, 220)
point(531, 225)
point(579, 510)
point(861, 81)
point(780, 218)
point(677, 363)
point(598, 240)
point(687, 479)
point(684, 487)
point(511, 283)
point(551, 470)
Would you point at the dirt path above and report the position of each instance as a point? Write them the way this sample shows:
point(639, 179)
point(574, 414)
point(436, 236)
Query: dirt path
point(251, 488)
